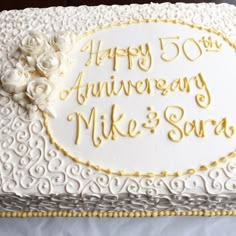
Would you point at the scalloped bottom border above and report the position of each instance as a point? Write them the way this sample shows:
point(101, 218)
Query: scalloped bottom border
point(23, 214)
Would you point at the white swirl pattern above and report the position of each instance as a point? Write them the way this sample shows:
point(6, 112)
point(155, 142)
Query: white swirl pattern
point(30, 165)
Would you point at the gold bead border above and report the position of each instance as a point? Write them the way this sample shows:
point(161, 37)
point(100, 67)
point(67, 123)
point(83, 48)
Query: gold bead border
point(29, 214)
point(164, 173)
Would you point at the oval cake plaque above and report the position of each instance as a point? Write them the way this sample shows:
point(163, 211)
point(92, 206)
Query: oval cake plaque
point(148, 97)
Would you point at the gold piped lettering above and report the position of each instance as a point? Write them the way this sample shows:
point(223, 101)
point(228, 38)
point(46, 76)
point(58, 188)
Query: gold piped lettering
point(97, 55)
point(89, 123)
point(115, 87)
point(174, 116)
point(104, 129)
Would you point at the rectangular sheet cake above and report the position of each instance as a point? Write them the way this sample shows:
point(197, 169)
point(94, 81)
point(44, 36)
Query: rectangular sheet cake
point(118, 110)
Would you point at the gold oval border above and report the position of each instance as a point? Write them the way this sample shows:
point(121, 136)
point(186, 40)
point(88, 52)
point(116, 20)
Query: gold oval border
point(162, 173)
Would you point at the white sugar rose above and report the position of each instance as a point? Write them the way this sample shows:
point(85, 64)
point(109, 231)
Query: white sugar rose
point(63, 41)
point(21, 99)
point(34, 44)
point(14, 81)
point(39, 90)
point(49, 63)
point(26, 63)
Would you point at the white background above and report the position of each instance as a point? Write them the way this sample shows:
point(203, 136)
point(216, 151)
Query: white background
point(172, 225)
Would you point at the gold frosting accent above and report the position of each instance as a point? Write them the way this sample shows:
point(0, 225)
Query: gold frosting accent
point(221, 127)
point(153, 120)
point(109, 132)
point(211, 45)
point(25, 214)
point(99, 55)
point(174, 114)
point(163, 45)
point(148, 86)
point(123, 173)
point(185, 51)
point(208, 43)
point(174, 118)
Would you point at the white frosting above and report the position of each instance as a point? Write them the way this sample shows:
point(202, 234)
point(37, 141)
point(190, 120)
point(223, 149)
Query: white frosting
point(29, 164)
point(39, 90)
point(49, 63)
point(150, 152)
point(37, 55)
point(14, 81)
point(34, 44)
point(63, 41)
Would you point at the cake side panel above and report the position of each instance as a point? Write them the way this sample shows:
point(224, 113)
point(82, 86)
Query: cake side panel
point(126, 203)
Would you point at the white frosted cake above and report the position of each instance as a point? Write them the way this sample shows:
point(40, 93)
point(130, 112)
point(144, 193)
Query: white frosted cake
point(118, 110)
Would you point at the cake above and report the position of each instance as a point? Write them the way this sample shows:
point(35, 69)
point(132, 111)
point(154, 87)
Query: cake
point(118, 110)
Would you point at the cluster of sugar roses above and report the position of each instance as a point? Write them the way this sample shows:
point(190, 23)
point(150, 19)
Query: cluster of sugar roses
point(41, 60)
